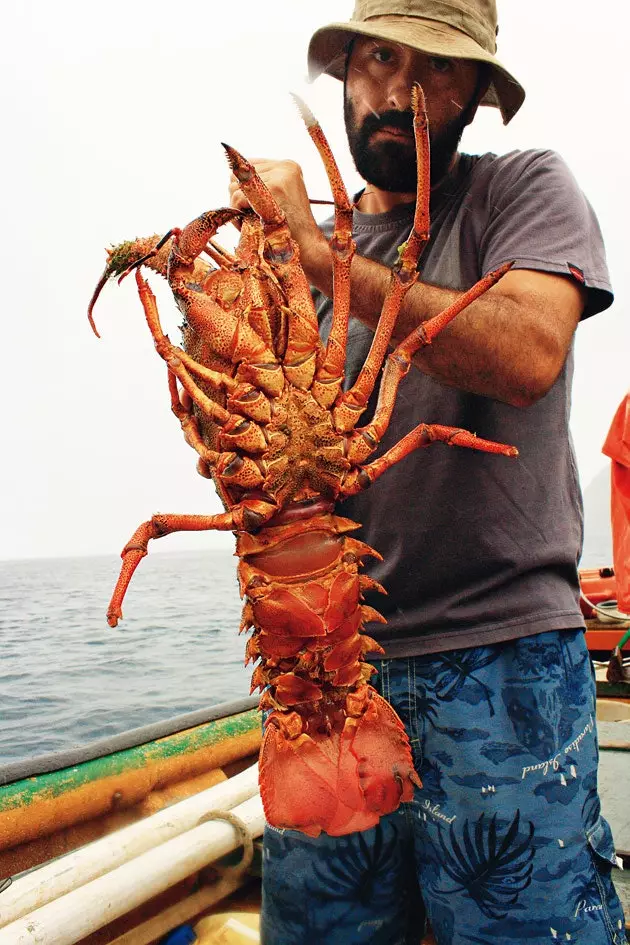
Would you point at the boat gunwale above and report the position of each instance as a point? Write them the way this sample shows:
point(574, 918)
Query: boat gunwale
point(133, 738)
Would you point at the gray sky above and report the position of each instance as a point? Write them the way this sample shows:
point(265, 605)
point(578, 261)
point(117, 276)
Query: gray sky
point(113, 117)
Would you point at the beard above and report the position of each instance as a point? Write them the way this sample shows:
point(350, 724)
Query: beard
point(391, 164)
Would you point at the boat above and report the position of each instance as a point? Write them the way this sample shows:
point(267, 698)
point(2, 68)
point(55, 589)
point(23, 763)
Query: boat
point(131, 838)
point(154, 835)
point(605, 622)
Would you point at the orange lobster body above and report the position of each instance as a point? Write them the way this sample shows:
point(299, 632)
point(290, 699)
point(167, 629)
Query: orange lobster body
point(270, 420)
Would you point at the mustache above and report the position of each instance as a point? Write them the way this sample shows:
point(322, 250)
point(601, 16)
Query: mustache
point(394, 118)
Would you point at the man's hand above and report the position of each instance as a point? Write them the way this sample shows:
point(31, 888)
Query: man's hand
point(286, 183)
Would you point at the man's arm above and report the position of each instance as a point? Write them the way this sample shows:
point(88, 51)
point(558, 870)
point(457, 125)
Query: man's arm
point(510, 344)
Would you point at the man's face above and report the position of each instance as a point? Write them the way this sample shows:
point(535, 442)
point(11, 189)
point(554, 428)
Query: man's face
point(377, 110)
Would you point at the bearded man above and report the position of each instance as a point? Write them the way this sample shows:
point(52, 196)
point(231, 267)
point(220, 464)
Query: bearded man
point(485, 659)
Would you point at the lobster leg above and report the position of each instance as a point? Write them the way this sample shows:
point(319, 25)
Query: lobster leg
point(167, 350)
point(218, 254)
point(231, 337)
point(351, 404)
point(158, 526)
point(239, 471)
point(247, 514)
point(329, 376)
point(233, 470)
point(189, 424)
point(365, 440)
point(194, 239)
point(303, 344)
point(171, 354)
point(422, 435)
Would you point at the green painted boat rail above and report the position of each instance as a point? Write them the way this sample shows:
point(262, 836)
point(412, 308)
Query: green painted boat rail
point(69, 757)
point(51, 784)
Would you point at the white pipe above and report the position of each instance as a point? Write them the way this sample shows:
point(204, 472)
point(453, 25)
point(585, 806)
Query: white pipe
point(55, 879)
point(84, 910)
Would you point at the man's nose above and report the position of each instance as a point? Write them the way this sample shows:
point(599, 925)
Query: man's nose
point(399, 89)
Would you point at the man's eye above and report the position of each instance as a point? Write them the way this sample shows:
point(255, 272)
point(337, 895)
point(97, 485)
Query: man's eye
point(382, 54)
point(441, 65)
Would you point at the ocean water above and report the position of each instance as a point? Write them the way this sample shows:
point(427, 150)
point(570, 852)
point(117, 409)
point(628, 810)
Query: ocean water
point(67, 678)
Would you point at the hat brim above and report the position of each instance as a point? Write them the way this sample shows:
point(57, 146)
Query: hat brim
point(328, 47)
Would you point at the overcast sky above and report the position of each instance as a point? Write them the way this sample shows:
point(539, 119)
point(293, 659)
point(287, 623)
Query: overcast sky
point(113, 114)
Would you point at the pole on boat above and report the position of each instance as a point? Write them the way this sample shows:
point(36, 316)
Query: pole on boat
point(70, 918)
point(62, 875)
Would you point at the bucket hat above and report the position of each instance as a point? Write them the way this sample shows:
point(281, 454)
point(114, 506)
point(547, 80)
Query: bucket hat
point(453, 29)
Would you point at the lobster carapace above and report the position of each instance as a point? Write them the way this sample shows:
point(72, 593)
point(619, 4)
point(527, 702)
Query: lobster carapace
point(271, 421)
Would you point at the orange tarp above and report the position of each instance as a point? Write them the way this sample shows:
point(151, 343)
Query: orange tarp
point(617, 446)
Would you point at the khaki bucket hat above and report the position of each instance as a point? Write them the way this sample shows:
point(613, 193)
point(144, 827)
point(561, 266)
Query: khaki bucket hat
point(454, 29)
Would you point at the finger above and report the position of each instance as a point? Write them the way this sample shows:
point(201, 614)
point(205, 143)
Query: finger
point(239, 201)
point(263, 168)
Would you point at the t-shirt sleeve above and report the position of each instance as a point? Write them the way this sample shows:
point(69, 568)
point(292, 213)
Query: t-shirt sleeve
point(539, 218)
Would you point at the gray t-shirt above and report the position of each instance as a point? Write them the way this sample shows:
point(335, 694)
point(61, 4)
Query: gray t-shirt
point(478, 549)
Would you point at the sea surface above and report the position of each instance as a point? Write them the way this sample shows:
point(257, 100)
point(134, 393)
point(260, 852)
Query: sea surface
point(67, 678)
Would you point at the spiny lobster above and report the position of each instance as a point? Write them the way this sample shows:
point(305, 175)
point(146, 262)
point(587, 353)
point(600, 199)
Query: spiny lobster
point(280, 435)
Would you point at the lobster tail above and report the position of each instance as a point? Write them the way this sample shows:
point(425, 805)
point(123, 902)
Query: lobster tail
point(339, 781)
point(335, 755)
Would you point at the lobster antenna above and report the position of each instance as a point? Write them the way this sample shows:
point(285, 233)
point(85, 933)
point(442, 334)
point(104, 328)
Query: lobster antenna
point(310, 121)
point(306, 114)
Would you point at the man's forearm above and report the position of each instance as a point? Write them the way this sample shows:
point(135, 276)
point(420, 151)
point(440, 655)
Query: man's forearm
point(501, 347)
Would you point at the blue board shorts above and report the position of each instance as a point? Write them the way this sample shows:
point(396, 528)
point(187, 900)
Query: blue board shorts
point(504, 843)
